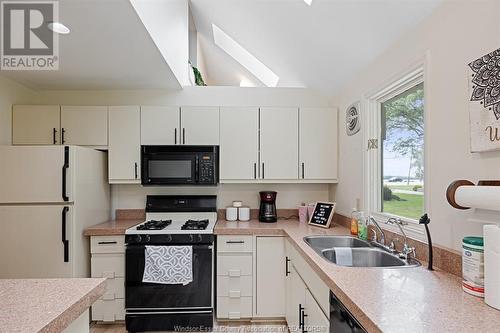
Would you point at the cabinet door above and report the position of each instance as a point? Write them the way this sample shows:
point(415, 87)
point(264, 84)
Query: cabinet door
point(318, 143)
point(160, 125)
point(315, 320)
point(239, 143)
point(200, 125)
point(84, 125)
point(35, 124)
point(279, 143)
point(124, 154)
point(270, 275)
point(295, 298)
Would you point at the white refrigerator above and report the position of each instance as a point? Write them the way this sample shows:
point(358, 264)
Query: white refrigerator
point(48, 196)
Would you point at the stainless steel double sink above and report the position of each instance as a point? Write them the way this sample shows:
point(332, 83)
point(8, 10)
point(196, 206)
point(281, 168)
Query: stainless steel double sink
point(361, 254)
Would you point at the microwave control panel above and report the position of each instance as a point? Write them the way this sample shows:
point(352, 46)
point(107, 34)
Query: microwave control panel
point(206, 169)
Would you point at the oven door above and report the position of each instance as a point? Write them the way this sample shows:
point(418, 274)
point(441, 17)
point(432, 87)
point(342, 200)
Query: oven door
point(143, 296)
point(168, 168)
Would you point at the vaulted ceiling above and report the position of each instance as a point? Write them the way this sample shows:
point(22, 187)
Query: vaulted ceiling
point(319, 46)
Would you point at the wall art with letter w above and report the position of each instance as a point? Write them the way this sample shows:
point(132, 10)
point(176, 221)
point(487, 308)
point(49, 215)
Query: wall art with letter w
point(484, 105)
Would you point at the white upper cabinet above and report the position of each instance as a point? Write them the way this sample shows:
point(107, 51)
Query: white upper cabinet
point(84, 125)
point(124, 155)
point(318, 128)
point(160, 125)
point(200, 125)
point(35, 124)
point(239, 143)
point(279, 143)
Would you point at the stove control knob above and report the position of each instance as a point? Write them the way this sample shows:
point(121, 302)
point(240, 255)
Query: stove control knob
point(169, 238)
point(191, 238)
point(147, 238)
point(138, 238)
point(200, 238)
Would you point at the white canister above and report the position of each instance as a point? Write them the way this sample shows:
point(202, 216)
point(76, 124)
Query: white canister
point(231, 213)
point(244, 213)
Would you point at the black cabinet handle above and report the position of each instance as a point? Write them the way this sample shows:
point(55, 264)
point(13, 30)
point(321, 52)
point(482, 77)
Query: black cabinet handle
point(287, 272)
point(302, 170)
point(175, 135)
point(255, 171)
point(135, 169)
point(64, 173)
point(54, 133)
point(62, 135)
point(183, 136)
point(63, 235)
point(107, 242)
point(263, 174)
point(235, 242)
point(302, 317)
point(301, 323)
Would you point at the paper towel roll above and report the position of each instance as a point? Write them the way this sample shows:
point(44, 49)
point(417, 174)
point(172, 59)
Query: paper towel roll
point(492, 265)
point(484, 197)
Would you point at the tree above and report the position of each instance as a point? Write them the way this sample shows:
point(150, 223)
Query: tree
point(405, 114)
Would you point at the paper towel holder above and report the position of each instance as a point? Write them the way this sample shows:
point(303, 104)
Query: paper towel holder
point(452, 189)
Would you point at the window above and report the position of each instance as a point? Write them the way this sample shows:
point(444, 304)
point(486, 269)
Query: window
point(395, 163)
point(402, 153)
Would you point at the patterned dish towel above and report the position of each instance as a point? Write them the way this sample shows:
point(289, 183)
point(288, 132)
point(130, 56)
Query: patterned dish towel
point(168, 264)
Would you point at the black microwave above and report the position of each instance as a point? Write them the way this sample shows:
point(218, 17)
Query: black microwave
point(180, 165)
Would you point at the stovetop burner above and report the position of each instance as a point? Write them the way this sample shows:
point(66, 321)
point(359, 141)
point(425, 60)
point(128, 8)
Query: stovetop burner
point(195, 225)
point(154, 225)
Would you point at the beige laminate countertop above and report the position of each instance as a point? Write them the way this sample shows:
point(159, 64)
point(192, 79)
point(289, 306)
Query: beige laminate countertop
point(385, 300)
point(111, 228)
point(45, 305)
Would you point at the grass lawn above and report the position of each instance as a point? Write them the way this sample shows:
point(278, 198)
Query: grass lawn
point(413, 207)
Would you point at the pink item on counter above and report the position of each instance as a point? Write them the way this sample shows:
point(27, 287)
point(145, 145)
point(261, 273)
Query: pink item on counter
point(302, 214)
point(310, 210)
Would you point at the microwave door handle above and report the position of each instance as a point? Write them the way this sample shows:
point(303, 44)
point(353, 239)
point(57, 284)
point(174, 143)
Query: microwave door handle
point(197, 170)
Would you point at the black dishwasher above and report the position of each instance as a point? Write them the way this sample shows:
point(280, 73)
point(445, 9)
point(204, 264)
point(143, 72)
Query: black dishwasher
point(341, 320)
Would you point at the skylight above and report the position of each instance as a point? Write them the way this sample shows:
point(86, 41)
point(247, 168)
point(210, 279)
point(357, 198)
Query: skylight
point(245, 58)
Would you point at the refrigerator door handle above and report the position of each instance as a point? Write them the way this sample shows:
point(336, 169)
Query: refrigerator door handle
point(63, 238)
point(64, 173)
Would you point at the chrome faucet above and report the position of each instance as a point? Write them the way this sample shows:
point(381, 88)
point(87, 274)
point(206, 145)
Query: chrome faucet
point(407, 250)
point(379, 229)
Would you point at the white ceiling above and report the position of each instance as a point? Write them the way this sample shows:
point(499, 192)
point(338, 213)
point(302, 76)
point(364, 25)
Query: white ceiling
point(319, 46)
point(108, 48)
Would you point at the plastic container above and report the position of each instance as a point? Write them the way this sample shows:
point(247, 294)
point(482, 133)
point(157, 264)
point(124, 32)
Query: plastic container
point(302, 213)
point(354, 222)
point(362, 226)
point(473, 265)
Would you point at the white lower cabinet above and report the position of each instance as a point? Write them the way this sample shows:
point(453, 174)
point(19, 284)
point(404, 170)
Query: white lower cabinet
point(108, 261)
point(270, 277)
point(234, 277)
point(313, 319)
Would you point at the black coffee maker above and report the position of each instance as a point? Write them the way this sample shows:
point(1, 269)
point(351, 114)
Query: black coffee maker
point(267, 211)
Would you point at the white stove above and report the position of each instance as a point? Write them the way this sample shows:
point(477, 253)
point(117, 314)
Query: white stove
point(175, 223)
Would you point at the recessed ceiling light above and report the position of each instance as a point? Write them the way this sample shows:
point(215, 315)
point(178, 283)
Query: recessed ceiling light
point(309, 2)
point(58, 28)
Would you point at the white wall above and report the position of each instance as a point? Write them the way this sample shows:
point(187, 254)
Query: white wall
point(167, 21)
point(11, 92)
point(455, 34)
point(133, 196)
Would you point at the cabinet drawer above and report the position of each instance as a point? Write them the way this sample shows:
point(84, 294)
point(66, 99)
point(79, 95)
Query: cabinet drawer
point(234, 308)
point(234, 265)
point(108, 310)
point(234, 286)
point(107, 244)
point(115, 288)
point(108, 265)
point(234, 243)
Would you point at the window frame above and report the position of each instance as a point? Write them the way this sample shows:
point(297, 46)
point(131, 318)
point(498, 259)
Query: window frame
point(372, 180)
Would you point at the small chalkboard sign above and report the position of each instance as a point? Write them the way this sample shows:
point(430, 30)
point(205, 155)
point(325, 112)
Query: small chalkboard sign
point(322, 214)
